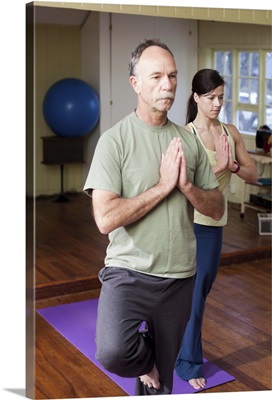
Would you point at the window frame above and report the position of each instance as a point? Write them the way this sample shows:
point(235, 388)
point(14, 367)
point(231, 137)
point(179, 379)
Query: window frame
point(236, 106)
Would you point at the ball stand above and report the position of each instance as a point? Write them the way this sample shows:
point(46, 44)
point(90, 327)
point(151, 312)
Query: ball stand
point(60, 151)
point(61, 198)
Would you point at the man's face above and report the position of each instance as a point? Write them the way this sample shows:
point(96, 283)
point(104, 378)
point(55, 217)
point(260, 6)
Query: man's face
point(156, 79)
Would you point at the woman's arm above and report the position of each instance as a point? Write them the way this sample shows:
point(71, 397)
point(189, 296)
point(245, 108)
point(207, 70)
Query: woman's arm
point(247, 170)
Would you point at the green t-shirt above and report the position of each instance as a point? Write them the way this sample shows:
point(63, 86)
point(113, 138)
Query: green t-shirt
point(127, 162)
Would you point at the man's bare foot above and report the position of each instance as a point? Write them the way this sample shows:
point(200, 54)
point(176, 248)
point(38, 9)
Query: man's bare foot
point(151, 379)
point(198, 383)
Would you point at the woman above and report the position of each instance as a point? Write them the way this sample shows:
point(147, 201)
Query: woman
point(228, 155)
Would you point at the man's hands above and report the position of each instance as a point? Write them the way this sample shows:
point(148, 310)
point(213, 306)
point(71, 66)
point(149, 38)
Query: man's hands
point(170, 165)
point(173, 167)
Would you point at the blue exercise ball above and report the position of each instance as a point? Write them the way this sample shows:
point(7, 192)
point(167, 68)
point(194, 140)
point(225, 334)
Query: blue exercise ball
point(71, 108)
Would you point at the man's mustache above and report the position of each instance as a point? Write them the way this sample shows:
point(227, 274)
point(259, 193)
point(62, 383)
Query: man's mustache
point(166, 95)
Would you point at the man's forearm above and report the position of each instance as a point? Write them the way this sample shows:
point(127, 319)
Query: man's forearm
point(112, 211)
point(207, 202)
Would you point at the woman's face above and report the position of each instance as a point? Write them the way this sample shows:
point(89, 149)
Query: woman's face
point(209, 104)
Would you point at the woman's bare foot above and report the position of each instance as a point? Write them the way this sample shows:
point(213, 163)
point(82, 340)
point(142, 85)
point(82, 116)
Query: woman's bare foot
point(198, 383)
point(151, 379)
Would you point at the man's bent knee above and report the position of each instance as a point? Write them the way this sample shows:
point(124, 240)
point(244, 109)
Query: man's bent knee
point(123, 362)
point(111, 360)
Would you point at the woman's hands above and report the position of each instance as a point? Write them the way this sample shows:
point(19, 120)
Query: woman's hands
point(223, 154)
point(224, 159)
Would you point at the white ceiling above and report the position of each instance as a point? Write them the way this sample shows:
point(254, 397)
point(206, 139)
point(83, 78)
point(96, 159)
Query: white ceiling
point(59, 16)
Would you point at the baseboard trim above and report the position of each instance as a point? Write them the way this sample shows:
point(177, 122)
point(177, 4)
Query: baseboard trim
point(241, 256)
point(71, 286)
point(64, 287)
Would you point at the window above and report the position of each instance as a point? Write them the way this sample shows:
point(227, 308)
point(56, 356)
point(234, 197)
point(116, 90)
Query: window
point(268, 90)
point(248, 102)
point(223, 64)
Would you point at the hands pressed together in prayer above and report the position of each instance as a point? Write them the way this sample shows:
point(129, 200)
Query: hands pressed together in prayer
point(223, 156)
point(173, 173)
point(173, 166)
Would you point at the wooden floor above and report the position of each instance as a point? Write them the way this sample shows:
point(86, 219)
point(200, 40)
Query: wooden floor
point(69, 251)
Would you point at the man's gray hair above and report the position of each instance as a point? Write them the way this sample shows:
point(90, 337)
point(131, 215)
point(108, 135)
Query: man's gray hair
point(136, 54)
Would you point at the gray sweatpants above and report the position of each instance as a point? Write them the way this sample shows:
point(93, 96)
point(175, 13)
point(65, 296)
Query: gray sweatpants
point(127, 299)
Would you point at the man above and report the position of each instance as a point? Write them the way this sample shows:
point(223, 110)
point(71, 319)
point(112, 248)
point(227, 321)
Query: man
point(146, 178)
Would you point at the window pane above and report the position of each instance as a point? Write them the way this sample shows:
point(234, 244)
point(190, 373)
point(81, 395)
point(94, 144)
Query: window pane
point(223, 62)
point(268, 104)
point(248, 79)
point(228, 63)
point(268, 117)
point(244, 63)
point(268, 99)
point(247, 121)
point(268, 90)
point(244, 90)
point(248, 91)
point(228, 89)
point(254, 71)
point(269, 65)
point(253, 90)
point(226, 113)
point(219, 62)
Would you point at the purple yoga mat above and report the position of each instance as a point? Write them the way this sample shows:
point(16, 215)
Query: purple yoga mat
point(76, 322)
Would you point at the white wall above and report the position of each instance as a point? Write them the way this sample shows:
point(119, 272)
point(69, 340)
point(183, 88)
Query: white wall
point(90, 72)
point(127, 32)
point(56, 55)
